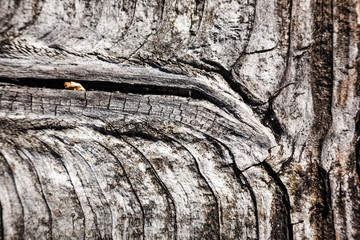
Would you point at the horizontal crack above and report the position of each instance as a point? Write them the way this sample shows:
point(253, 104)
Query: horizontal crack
point(107, 87)
point(200, 92)
point(262, 51)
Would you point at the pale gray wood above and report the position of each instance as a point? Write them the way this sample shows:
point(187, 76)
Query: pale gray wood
point(201, 119)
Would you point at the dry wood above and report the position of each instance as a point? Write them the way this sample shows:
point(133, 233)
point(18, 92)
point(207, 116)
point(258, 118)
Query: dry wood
point(192, 120)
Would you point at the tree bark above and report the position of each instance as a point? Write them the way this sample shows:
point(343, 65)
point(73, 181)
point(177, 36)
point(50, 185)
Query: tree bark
point(201, 119)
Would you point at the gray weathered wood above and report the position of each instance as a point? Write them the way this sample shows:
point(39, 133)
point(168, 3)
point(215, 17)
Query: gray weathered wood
point(201, 119)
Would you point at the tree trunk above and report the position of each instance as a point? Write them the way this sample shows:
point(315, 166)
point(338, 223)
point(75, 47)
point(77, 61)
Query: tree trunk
point(201, 119)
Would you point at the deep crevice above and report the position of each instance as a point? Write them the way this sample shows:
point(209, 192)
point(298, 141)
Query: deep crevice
point(240, 176)
point(21, 225)
point(322, 71)
point(96, 223)
point(60, 159)
point(119, 135)
point(188, 91)
point(107, 87)
point(325, 191)
point(207, 183)
point(270, 120)
point(322, 68)
point(227, 76)
point(286, 199)
point(357, 144)
point(1, 224)
point(131, 186)
point(162, 184)
point(242, 180)
point(103, 199)
point(194, 91)
point(42, 194)
point(212, 66)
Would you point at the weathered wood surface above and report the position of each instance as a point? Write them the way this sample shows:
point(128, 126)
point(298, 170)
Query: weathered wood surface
point(200, 120)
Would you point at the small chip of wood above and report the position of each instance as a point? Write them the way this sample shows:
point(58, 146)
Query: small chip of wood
point(74, 86)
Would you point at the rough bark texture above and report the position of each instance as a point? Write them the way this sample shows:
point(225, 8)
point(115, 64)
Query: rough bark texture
point(213, 119)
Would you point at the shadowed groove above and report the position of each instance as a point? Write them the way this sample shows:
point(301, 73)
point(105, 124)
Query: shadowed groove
point(112, 196)
point(102, 196)
point(114, 132)
point(159, 181)
point(113, 182)
point(1, 224)
point(240, 177)
point(175, 167)
point(131, 186)
point(98, 193)
point(21, 226)
point(41, 192)
point(285, 198)
point(205, 73)
point(171, 141)
point(142, 135)
point(73, 192)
